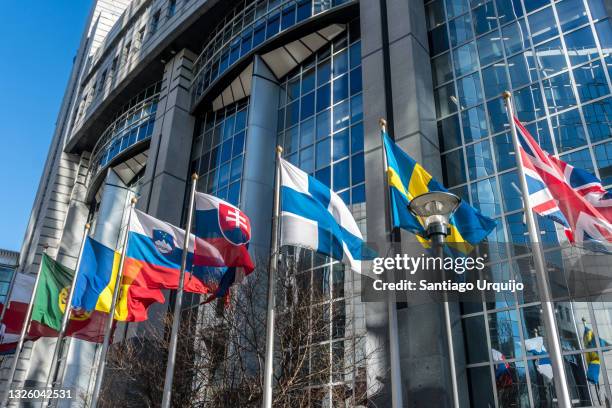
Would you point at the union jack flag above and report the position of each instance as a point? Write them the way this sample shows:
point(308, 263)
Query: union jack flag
point(569, 196)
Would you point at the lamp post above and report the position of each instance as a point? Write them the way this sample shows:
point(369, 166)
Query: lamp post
point(435, 209)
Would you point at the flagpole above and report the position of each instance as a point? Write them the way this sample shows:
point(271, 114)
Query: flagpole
point(548, 312)
point(24, 331)
point(176, 319)
point(269, 357)
point(111, 312)
point(396, 373)
point(65, 317)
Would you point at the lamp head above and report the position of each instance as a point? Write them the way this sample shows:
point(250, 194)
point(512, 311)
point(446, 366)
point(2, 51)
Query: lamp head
point(435, 207)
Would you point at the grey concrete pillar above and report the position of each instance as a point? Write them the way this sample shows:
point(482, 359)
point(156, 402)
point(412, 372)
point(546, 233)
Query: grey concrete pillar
point(258, 174)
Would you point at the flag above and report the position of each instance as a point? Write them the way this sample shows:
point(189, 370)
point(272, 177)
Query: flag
point(408, 179)
point(535, 346)
point(569, 196)
point(315, 217)
point(50, 305)
point(221, 256)
point(503, 377)
point(153, 262)
point(17, 305)
point(592, 357)
point(96, 283)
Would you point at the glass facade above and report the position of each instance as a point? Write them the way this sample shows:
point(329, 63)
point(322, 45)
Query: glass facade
point(554, 57)
point(134, 124)
point(246, 27)
point(218, 151)
point(320, 123)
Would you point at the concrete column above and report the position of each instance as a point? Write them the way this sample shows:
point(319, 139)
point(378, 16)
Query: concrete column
point(258, 174)
point(165, 180)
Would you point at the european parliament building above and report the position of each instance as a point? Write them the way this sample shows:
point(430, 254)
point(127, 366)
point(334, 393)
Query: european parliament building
point(164, 88)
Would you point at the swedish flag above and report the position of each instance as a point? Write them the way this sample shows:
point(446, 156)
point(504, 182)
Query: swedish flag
point(407, 179)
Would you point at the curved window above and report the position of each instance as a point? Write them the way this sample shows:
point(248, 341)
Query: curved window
point(246, 27)
point(135, 124)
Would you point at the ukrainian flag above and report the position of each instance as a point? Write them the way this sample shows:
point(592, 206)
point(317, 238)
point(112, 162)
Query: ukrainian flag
point(407, 179)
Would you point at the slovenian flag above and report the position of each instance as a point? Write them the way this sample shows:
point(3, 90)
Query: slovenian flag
point(153, 262)
point(223, 232)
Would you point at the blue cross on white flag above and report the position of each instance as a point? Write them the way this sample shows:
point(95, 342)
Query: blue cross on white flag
point(314, 217)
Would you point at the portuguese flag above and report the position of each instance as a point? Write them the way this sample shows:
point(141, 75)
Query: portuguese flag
point(50, 305)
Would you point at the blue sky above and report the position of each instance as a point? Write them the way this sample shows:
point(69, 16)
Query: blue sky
point(38, 40)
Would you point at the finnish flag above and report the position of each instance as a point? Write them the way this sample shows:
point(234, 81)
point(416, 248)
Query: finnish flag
point(314, 217)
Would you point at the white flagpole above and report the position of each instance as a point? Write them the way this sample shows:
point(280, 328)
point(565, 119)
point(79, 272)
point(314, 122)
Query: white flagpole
point(396, 372)
point(111, 314)
point(548, 311)
point(24, 331)
point(178, 304)
point(65, 318)
point(274, 247)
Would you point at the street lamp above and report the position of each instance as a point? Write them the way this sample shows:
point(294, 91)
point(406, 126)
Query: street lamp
point(435, 209)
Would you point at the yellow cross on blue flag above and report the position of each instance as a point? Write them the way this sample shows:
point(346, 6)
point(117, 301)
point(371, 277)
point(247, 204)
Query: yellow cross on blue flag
point(408, 179)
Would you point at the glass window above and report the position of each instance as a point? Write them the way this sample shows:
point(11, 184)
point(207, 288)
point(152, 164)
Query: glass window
point(485, 197)
point(357, 137)
point(442, 69)
point(504, 151)
point(438, 40)
point(476, 339)
point(495, 80)
point(460, 30)
point(529, 104)
point(522, 69)
point(453, 168)
point(571, 14)
point(481, 390)
point(340, 63)
point(356, 84)
point(323, 157)
point(541, 134)
point(307, 106)
point(581, 46)
point(324, 72)
point(598, 9)
point(341, 90)
point(479, 160)
point(307, 133)
point(604, 32)
point(580, 159)
point(489, 48)
point(474, 123)
point(356, 108)
point(550, 58)
point(470, 92)
point(498, 118)
point(307, 159)
point(341, 144)
point(358, 169)
point(341, 115)
point(449, 134)
point(511, 191)
point(446, 100)
point(515, 36)
point(323, 97)
point(531, 5)
point(598, 118)
point(568, 131)
point(504, 331)
point(559, 94)
point(484, 18)
point(341, 175)
point(591, 81)
point(466, 59)
point(434, 13)
point(456, 7)
point(543, 25)
point(509, 10)
point(603, 157)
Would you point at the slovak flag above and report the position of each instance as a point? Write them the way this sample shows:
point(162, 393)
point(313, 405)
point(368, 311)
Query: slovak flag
point(503, 376)
point(221, 257)
point(567, 195)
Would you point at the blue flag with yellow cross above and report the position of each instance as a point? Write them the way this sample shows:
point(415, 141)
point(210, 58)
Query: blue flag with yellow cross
point(408, 179)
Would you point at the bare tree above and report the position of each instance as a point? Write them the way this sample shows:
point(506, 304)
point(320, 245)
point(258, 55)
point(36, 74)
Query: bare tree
point(319, 356)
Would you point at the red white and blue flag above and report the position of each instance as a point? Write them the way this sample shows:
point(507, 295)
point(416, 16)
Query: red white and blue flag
point(221, 257)
point(567, 195)
point(503, 376)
